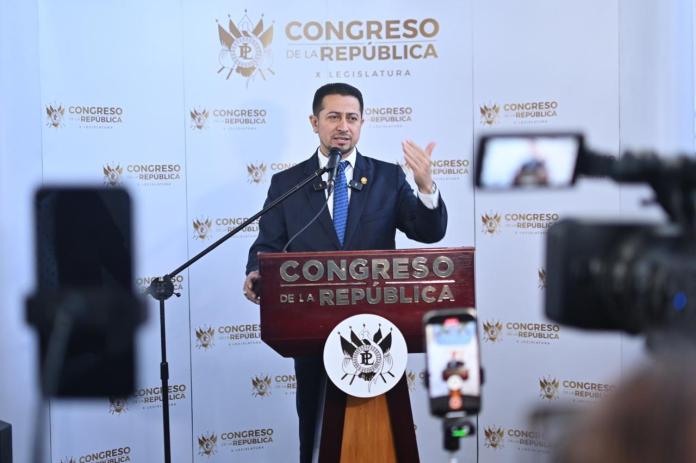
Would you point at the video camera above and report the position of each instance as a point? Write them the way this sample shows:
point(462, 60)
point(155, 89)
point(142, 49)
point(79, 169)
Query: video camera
point(632, 277)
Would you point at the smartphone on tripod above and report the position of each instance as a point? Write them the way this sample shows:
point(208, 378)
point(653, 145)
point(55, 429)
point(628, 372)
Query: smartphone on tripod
point(453, 361)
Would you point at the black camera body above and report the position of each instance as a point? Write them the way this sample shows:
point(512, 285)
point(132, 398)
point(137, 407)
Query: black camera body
point(631, 277)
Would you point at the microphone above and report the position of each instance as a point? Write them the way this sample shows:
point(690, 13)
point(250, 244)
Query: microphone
point(332, 169)
point(332, 166)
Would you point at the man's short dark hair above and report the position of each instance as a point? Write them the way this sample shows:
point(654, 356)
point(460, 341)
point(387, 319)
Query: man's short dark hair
point(337, 88)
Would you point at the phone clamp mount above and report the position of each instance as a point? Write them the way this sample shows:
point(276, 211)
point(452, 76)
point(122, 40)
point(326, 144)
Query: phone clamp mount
point(454, 427)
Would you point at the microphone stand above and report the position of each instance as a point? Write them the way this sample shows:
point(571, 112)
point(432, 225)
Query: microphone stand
point(162, 288)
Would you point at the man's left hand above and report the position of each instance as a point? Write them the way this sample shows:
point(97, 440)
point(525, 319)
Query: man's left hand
point(418, 160)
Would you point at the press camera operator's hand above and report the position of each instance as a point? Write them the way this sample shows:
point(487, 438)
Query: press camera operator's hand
point(248, 288)
point(418, 160)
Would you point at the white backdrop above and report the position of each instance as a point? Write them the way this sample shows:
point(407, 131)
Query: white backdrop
point(142, 96)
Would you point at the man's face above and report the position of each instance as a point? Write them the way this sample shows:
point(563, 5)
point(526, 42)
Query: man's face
point(338, 123)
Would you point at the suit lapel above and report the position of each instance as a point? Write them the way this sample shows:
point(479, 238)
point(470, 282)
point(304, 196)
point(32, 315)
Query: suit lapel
point(358, 199)
point(316, 201)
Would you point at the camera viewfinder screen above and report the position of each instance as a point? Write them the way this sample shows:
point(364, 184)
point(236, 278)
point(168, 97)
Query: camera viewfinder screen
point(453, 361)
point(528, 161)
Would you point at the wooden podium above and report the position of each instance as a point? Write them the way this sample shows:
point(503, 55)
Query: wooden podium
point(305, 295)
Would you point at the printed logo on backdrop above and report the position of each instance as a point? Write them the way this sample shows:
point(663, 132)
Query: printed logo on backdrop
point(83, 116)
point(526, 440)
point(574, 390)
point(256, 172)
point(364, 49)
point(285, 383)
point(205, 338)
point(444, 170)
point(492, 331)
point(118, 405)
point(365, 355)
point(259, 173)
point(207, 444)
point(246, 440)
point(519, 223)
point(222, 118)
point(263, 386)
point(112, 175)
point(55, 116)
point(141, 174)
point(519, 113)
point(415, 379)
point(246, 49)
point(234, 335)
point(499, 332)
point(491, 223)
point(111, 455)
point(147, 398)
point(151, 397)
point(549, 388)
point(542, 278)
point(205, 228)
point(411, 380)
point(489, 114)
point(227, 224)
point(202, 228)
point(199, 118)
point(388, 117)
point(495, 437)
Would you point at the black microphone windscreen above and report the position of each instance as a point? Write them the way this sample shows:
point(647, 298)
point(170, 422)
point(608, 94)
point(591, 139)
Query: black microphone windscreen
point(332, 166)
point(334, 158)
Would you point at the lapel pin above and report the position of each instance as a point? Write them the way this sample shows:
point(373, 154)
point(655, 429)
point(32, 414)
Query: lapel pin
point(363, 180)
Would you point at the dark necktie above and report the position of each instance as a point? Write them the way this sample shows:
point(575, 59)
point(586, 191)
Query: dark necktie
point(340, 204)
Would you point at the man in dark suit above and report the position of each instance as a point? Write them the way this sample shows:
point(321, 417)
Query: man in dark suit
point(376, 197)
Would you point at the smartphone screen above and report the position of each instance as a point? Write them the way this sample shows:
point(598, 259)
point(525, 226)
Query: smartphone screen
point(453, 361)
point(530, 160)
